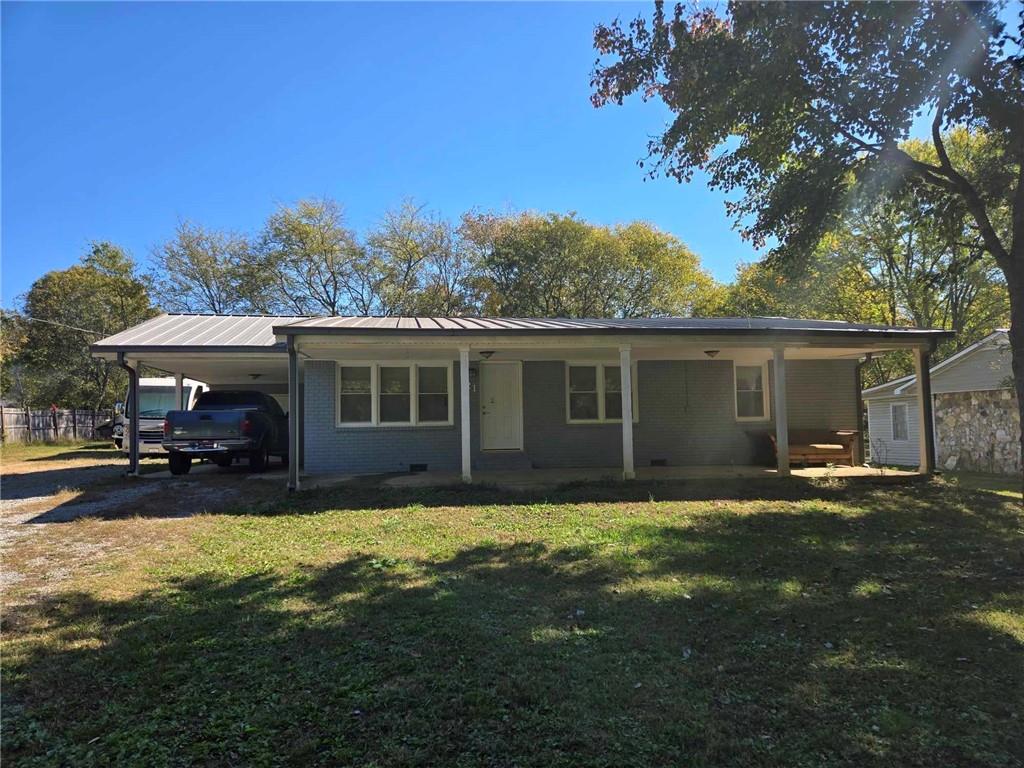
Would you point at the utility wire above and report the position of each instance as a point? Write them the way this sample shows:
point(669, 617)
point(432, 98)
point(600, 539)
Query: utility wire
point(54, 322)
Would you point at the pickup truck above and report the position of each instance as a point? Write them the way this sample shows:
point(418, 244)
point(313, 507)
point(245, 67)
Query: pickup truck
point(224, 425)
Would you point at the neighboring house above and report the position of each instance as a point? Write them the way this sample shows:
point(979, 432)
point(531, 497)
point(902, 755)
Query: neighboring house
point(369, 394)
point(974, 407)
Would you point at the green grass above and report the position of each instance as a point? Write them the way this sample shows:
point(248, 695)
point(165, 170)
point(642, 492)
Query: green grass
point(1002, 484)
point(59, 450)
point(739, 624)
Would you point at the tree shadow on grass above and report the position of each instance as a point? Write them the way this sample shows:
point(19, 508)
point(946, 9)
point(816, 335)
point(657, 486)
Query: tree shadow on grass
point(768, 638)
point(88, 452)
point(46, 482)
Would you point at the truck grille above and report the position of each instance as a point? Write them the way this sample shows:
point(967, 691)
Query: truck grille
point(151, 434)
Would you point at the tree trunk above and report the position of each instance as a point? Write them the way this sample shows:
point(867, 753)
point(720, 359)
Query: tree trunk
point(1015, 284)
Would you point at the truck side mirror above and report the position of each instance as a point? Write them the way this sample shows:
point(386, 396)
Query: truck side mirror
point(119, 407)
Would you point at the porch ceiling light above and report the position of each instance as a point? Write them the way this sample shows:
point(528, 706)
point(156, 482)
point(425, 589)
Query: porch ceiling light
point(712, 353)
point(487, 355)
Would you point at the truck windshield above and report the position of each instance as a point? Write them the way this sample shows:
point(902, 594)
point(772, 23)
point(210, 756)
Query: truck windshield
point(226, 401)
point(154, 402)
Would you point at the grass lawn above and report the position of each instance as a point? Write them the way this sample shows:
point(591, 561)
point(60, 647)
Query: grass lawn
point(776, 623)
point(62, 450)
point(1003, 484)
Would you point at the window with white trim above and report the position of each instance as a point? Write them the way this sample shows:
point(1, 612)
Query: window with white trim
point(751, 386)
point(433, 393)
point(355, 394)
point(898, 416)
point(593, 393)
point(394, 394)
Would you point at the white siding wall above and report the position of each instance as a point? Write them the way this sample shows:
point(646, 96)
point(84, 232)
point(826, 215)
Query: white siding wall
point(986, 368)
point(885, 450)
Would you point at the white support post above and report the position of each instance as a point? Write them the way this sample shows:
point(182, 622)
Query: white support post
point(132, 433)
point(781, 414)
point(626, 374)
point(926, 425)
point(465, 428)
point(293, 415)
point(179, 392)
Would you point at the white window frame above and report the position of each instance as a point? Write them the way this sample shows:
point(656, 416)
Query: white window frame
point(765, 385)
point(375, 366)
point(892, 422)
point(337, 393)
point(600, 366)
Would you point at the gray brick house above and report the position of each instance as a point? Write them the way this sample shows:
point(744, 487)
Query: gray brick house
point(463, 394)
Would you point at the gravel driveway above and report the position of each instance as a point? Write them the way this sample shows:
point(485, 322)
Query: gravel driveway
point(39, 497)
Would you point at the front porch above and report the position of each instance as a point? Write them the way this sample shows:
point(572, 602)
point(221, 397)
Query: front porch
point(533, 479)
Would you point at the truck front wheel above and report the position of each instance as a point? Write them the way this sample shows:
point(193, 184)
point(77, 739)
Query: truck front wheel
point(180, 463)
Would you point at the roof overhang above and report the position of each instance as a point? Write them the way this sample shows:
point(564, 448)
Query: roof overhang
point(914, 338)
point(604, 332)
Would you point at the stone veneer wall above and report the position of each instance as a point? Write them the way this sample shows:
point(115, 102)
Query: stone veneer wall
point(978, 431)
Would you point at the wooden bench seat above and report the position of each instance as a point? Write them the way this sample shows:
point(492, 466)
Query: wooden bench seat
point(819, 446)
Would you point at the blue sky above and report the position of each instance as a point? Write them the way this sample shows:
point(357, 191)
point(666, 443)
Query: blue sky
point(119, 119)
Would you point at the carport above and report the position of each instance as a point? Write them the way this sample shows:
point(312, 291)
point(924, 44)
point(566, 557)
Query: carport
point(225, 352)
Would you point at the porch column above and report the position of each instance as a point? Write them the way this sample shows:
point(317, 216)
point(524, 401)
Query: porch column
point(626, 373)
point(464, 426)
point(781, 414)
point(924, 411)
point(179, 391)
point(293, 416)
point(132, 434)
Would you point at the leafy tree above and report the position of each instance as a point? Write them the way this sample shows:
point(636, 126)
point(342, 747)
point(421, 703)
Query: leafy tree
point(311, 263)
point(423, 264)
point(560, 266)
point(906, 258)
point(661, 276)
point(63, 313)
point(801, 105)
point(13, 336)
point(203, 270)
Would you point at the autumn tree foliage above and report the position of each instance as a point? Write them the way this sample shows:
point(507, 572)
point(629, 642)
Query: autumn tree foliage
point(799, 108)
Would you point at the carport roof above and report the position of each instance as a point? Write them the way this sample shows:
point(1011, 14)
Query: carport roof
point(198, 333)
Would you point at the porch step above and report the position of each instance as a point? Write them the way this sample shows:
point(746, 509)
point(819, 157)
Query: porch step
point(503, 460)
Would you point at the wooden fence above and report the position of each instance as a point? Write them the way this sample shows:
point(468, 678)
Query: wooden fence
point(23, 425)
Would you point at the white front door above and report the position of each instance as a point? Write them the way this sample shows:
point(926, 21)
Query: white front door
point(501, 407)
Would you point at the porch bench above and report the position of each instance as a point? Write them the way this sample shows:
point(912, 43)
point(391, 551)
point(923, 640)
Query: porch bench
point(819, 446)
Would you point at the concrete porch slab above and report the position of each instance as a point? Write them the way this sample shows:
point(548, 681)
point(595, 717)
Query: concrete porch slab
point(550, 478)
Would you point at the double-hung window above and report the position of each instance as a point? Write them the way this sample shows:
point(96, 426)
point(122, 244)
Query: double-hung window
point(433, 394)
point(898, 416)
point(394, 394)
point(355, 394)
point(594, 393)
point(751, 384)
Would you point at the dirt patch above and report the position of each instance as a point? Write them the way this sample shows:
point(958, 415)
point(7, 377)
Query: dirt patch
point(62, 518)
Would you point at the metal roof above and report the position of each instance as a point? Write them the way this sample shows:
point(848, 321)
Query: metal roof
point(460, 326)
point(211, 333)
point(185, 333)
